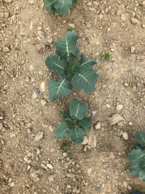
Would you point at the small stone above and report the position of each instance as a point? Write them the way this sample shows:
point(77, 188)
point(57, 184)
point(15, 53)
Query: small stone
point(119, 12)
point(31, 25)
point(94, 112)
point(135, 21)
point(126, 84)
point(123, 17)
point(129, 188)
point(49, 40)
point(42, 87)
point(11, 184)
point(70, 175)
point(49, 166)
point(64, 154)
point(98, 125)
point(51, 178)
point(85, 141)
point(119, 107)
point(31, 1)
point(6, 49)
point(125, 136)
point(1, 126)
point(39, 135)
point(112, 155)
point(51, 129)
point(8, 1)
point(41, 34)
point(43, 166)
point(115, 119)
point(130, 123)
point(125, 184)
point(132, 49)
point(143, 4)
point(72, 25)
point(34, 176)
point(43, 102)
point(92, 141)
point(89, 4)
point(26, 159)
point(35, 94)
point(112, 50)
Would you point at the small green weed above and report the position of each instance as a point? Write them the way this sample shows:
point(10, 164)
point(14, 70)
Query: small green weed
point(72, 20)
point(56, 14)
point(17, 49)
point(26, 52)
point(106, 55)
point(65, 147)
point(72, 29)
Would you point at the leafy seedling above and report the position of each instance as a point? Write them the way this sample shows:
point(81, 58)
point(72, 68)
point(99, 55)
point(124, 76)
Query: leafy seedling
point(17, 49)
point(76, 123)
point(106, 56)
point(56, 14)
point(61, 6)
point(64, 147)
point(72, 29)
point(26, 52)
point(73, 73)
point(72, 20)
point(137, 157)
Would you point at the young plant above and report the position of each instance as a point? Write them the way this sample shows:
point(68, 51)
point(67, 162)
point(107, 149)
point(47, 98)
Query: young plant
point(137, 157)
point(76, 123)
point(78, 74)
point(65, 147)
point(60, 5)
point(106, 55)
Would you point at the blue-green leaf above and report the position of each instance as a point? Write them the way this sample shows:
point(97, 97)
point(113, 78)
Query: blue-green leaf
point(66, 47)
point(86, 129)
point(62, 131)
point(59, 88)
point(63, 6)
point(65, 114)
point(140, 138)
point(70, 154)
point(87, 62)
point(137, 158)
point(77, 135)
point(74, 2)
point(86, 122)
point(54, 64)
point(85, 80)
point(142, 174)
point(49, 5)
point(134, 171)
point(78, 109)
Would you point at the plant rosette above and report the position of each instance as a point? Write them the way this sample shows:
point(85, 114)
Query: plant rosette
point(76, 123)
point(60, 5)
point(73, 73)
point(137, 157)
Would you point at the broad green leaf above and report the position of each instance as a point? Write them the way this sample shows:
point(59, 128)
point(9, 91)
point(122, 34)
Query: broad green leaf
point(74, 2)
point(86, 129)
point(54, 64)
point(65, 114)
point(85, 80)
point(137, 158)
point(142, 174)
point(87, 62)
point(69, 121)
point(49, 5)
point(137, 145)
point(62, 131)
point(66, 47)
point(140, 138)
point(134, 171)
point(78, 109)
point(63, 6)
point(59, 88)
point(77, 135)
point(86, 122)
point(70, 154)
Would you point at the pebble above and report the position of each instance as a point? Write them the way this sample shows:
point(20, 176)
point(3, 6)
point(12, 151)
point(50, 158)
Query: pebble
point(72, 25)
point(1, 126)
point(132, 49)
point(31, 1)
point(8, 1)
point(42, 87)
point(51, 129)
point(39, 135)
point(123, 17)
point(41, 34)
point(126, 84)
point(98, 125)
point(119, 107)
point(85, 141)
point(51, 178)
point(125, 136)
point(49, 166)
point(43, 102)
point(92, 141)
point(115, 119)
point(70, 175)
point(130, 123)
point(135, 21)
point(6, 49)
point(119, 12)
point(35, 94)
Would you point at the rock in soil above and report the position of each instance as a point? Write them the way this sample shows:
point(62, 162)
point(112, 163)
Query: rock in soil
point(115, 119)
point(39, 135)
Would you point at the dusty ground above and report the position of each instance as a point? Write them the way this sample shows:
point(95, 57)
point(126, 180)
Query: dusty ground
point(27, 33)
